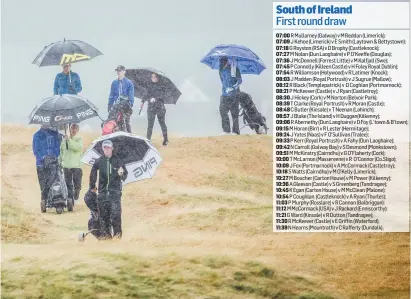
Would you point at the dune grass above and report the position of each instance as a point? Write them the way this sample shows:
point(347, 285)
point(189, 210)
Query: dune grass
point(17, 225)
point(249, 221)
point(244, 183)
point(171, 276)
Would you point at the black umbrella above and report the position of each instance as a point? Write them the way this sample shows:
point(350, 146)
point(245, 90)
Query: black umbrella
point(67, 51)
point(137, 153)
point(62, 109)
point(141, 78)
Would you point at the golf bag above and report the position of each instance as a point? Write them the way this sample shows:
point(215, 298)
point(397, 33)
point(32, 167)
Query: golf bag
point(251, 116)
point(94, 224)
point(58, 193)
point(116, 117)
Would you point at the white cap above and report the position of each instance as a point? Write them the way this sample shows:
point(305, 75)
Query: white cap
point(107, 143)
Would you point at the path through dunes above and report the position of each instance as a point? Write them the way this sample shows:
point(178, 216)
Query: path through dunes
point(202, 228)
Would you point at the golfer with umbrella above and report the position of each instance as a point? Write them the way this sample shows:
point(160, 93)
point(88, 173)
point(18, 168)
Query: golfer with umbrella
point(157, 89)
point(111, 172)
point(120, 158)
point(67, 82)
point(232, 61)
point(63, 53)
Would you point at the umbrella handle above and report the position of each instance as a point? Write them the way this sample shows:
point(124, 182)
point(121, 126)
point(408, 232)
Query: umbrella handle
point(141, 108)
point(65, 131)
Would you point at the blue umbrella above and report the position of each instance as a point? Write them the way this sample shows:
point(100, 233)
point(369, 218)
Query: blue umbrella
point(247, 61)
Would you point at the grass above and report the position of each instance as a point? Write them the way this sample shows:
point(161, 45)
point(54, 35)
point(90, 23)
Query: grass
point(208, 200)
point(235, 182)
point(250, 221)
point(17, 225)
point(129, 276)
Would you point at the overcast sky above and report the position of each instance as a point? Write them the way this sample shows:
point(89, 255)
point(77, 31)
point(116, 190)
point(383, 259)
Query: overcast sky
point(169, 35)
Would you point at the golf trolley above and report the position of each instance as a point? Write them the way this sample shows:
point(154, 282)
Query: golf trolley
point(57, 195)
point(251, 116)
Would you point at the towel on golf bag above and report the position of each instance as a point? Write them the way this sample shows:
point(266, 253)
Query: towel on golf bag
point(90, 198)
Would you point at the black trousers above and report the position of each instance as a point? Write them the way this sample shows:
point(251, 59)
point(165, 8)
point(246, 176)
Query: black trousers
point(229, 104)
point(110, 214)
point(127, 121)
point(43, 175)
point(161, 116)
point(73, 177)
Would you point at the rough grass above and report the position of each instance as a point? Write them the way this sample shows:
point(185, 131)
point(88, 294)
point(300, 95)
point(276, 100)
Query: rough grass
point(250, 221)
point(170, 276)
point(17, 225)
point(244, 183)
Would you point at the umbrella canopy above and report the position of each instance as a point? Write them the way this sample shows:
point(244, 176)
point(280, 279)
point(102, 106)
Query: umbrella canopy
point(141, 78)
point(67, 51)
point(247, 61)
point(136, 152)
point(62, 109)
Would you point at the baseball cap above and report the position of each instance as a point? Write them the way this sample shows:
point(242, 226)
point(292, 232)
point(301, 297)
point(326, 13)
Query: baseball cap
point(107, 143)
point(120, 68)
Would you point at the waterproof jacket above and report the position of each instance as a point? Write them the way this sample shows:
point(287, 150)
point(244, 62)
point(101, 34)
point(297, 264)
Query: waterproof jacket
point(67, 83)
point(156, 91)
point(70, 158)
point(124, 87)
point(229, 82)
point(46, 142)
point(109, 180)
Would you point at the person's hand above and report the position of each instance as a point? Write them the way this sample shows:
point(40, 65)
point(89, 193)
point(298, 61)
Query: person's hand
point(228, 89)
point(120, 171)
point(152, 100)
point(94, 190)
point(141, 105)
point(66, 137)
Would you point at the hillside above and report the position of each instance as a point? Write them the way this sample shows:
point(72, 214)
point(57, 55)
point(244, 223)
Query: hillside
point(201, 228)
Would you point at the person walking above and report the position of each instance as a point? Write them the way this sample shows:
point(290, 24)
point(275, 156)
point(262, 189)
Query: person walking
point(111, 172)
point(230, 77)
point(122, 89)
point(71, 150)
point(46, 145)
point(155, 107)
point(67, 82)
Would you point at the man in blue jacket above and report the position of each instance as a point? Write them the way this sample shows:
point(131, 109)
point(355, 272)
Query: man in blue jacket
point(67, 82)
point(231, 81)
point(122, 88)
point(46, 143)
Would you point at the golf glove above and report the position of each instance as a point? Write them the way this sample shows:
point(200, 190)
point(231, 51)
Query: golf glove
point(228, 89)
point(152, 100)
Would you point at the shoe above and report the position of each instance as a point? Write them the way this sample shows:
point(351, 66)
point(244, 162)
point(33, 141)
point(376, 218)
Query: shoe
point(224, 133)
point(165, 142)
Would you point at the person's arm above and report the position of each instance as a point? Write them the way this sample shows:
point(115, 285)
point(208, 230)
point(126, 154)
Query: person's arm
point(35, 144)
point(62, 149)
point(56, 85)
point(221, 77)
point(77, 84)
point(131, 93)
point(238, 77)
point(93, 174)
point(75, 145)
point(111, 97)
point(58, 145)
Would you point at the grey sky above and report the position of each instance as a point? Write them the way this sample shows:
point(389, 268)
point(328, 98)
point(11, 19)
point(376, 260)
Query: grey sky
point(169, 35)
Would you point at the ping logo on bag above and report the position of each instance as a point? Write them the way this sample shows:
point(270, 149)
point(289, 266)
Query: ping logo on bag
point(67, 58)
